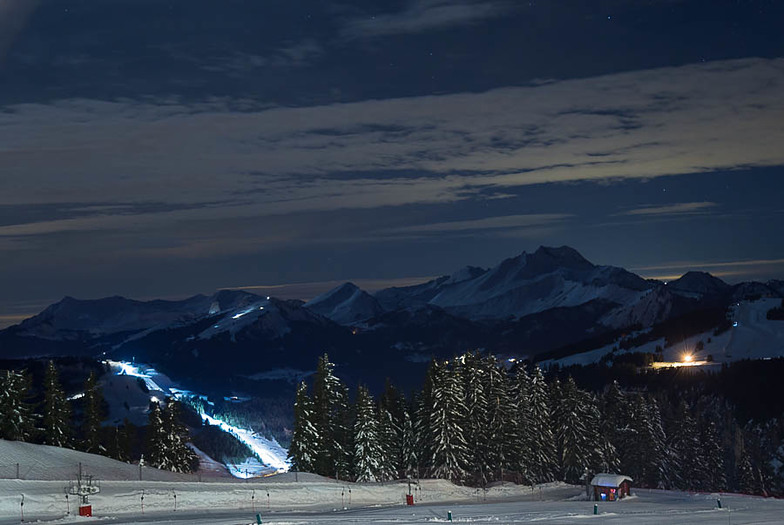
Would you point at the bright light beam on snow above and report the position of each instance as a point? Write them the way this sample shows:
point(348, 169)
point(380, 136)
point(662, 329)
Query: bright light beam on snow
point(269, 451)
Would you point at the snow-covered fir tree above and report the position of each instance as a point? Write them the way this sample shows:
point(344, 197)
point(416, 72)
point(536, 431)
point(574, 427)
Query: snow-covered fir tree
point(447, 416)
point(476, 426)
point(182, 458)
point(392, 411)
point(747, 481)
point(332, 421)
point(56, 411)
point(409, 450)
point(390, 435)
point(501, 426)
point(711, 450)
point(684, 442)
point(155, 446)
point(523, 442)
point(93, 416)
point(577, 433)
point(305, 440)
point(368, 441)
point(167, 447)
point(16, 420)
point(642, 443)
point(541, 439)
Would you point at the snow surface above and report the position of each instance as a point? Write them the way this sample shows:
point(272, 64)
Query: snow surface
point(323, 501)
point(300, 498)
point(42, 462)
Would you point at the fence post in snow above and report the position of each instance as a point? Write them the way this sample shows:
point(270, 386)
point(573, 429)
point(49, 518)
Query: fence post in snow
point(268, 501)
point(21, 507)
point(253, 500)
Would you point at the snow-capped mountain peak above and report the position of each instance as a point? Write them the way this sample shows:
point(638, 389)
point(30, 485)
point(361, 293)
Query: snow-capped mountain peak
point(345, 304)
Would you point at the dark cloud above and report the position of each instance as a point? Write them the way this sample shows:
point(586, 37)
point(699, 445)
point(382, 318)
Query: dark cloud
point(425, 15)
point(14, 15)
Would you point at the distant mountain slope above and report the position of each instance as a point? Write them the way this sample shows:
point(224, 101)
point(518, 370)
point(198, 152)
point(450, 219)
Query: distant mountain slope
point(523, 285)
point(551, 300)
point(346, 304)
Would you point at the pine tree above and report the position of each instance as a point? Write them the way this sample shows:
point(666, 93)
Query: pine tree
point(57, 411)
point(523, 438)
point(577, 427)
point(332, 422)
point(476, 427)
point(166, 440)
point(391, 439)
point(542, 442)
point(93, 416)
point(684, 442)
point(368, 451)
point(305, 440)
point(423, 438)
point(713, 456)
point(181, 458)
point(16, 420)
point(614, 427)
point(392, 412)
point(641, 442)
point(156, 443)
point(500, 421)
point(125, 440)
point(747, 482)
point(409, 449)
point(447, 416)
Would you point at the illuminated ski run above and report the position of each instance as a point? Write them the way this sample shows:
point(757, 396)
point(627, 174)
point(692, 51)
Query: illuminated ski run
point(273, 457)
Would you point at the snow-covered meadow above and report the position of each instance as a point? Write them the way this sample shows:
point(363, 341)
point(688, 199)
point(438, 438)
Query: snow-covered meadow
point(291, 498)
point(311, 500)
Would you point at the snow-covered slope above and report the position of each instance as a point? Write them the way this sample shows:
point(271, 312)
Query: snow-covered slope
point(42, 462)
point(70, 318)
point(523, 285)
point(345, 304)
point(751, 336)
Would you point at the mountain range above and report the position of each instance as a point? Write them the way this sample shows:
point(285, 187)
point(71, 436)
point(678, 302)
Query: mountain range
point(528, 306)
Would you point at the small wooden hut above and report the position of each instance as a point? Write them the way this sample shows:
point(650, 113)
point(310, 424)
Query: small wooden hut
point(611, 487)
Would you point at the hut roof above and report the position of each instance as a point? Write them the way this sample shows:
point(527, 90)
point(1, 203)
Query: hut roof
point(609, 480)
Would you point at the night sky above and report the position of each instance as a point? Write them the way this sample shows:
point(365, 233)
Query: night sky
point(159, 149)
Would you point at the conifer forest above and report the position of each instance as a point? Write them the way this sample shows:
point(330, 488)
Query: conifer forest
point(476, 421)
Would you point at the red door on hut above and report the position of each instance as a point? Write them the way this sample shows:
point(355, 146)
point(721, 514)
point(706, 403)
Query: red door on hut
point(611, 487)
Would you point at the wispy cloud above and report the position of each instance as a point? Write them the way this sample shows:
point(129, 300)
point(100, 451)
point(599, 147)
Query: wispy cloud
point(293, 55)
point(438, 149)
point(306, 291)
point(732, 271)
point(704, 264)
point(506, 222)
point(682, 208)
point(425, 15)
point(13, 18)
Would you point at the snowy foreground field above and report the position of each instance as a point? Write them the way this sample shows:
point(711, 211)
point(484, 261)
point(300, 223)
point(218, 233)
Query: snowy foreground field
point(299, 499)
point(325, 501)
